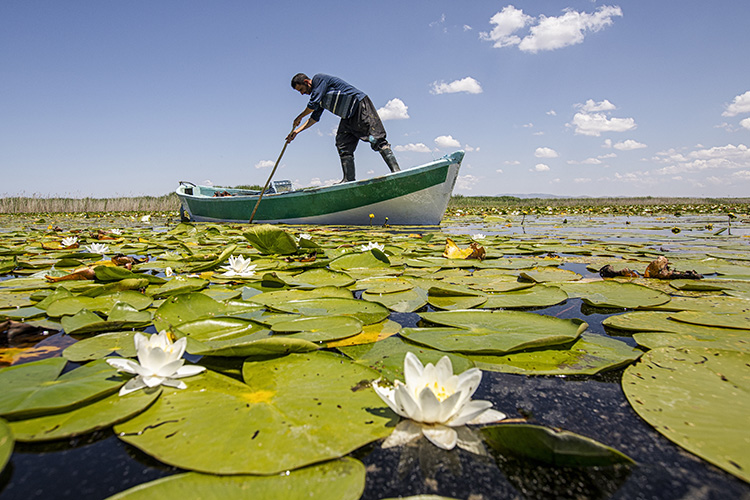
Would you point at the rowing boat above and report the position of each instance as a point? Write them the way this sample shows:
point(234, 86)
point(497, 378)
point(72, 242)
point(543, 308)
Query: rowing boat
point(415, 196)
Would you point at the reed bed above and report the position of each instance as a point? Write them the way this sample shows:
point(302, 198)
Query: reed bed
point(31, 205)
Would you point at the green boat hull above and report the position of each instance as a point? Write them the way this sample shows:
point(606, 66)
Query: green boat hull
point(417, 196)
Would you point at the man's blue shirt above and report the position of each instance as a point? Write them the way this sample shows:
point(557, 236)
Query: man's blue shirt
point(335, 95)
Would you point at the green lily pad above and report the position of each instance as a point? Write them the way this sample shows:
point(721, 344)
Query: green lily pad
point(320, 277)
point(712, 303)
point(454, 297)
point(387, 357)
point(406, 301)
point(321, 329)
point(616, 294)
point(103, 303)
point(121, 317)
point(293, 411)
point(536, 296)
point(100, 346)
point(383, 285)
point(183, 308)
point(269, 239)
point(342, 479)
point(657, 321)
point(97, 415)
point(115, 273)
point(733, 341)
point(554, 447)
point(589, 355)
point(367, 312)
point(6, 443)
point(724, 320)
point(14, 299)
point(697, 398)
point(178, 286)
point(548, 274)
point(371, 259)
point(34, 389)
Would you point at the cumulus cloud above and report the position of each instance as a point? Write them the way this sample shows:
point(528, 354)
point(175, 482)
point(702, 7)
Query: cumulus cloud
point(264, 164)
point(547, 33)
point(545, 153)
point(507, 22)
point(629, 145)
point(468, 85)
point(447, 141)
point(417, 148)
point(540, 167)
point(729, 157)
point(592, 106)
point(395, 109)
point(741, 104)
point(745, 123)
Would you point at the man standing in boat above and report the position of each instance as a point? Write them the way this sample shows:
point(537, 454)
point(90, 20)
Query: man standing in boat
point(359, 119)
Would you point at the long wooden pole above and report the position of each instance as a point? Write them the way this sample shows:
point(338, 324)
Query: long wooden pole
point(260, 197)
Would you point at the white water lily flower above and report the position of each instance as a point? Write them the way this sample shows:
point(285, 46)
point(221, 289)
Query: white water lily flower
point(69, 241)
point(100, 248)
point(239, 267)
point(168, 272)
point(305, 236)
point(159, 363)
point(370, 245)
point(436, 403)
point(115, 231)
point(146, 218)
point(478, 236)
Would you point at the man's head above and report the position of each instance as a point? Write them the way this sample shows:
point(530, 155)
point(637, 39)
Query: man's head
point(302, 83)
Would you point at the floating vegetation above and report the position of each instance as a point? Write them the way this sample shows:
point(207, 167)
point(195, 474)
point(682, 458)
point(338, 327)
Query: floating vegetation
point(285, 330)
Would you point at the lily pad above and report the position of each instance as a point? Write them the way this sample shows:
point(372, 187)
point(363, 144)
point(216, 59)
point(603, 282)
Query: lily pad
point(697, 398)
point(342, 479)
point(121, 317)
point(367, 312)
point(727, 320)
point(406, 301)
point(548, 274)
point(294, 411)
point(615, 294)
point(536, 296)
point(369, 334)
point(733, 341)
point(102, 345)
point(589, 355)
point(371, 259)
point(97, 415)
point(387, 357)
point(320, 277)
point(103, 303)
point(188, 307)
point(34, 389)
point(554, 447)
point(321, 329)
point(6, 443)
point(269, 239)
point(454, 297)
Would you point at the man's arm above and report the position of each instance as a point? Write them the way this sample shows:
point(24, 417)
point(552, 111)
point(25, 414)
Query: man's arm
point(309, 123)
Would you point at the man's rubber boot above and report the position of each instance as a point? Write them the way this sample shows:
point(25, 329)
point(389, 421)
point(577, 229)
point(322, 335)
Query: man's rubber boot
point(347, 166)
point(390, 159)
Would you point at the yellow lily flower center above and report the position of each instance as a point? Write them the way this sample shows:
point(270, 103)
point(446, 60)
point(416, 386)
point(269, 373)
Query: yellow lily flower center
point(440, 392)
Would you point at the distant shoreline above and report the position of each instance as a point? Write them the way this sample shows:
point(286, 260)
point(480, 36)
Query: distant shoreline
point(170, 202)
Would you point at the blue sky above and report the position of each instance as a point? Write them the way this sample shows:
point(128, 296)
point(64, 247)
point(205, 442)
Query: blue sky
point(569, 98)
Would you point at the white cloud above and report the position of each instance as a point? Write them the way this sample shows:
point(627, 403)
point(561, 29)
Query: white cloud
point(569, 29)
point(499, 170)
point(592, 106)
point(507, 21)
point(594, 124)
point(547, 33)
point(467, 182)
point(741, 104)
point(629, 145)
point(395, 109)
point(467, 27)
point(552, 112)
point(512, 162)
point(743, 175)
point(721, 157)
point(264, 164)
point(745, 123)
point(540, 167)
point(468, 85)
point(545, 153)
point(582, 180)
point(447, 141)
point(417, 148)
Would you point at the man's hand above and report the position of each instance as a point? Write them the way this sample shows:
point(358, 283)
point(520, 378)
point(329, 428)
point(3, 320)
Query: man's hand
point(291, 135)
